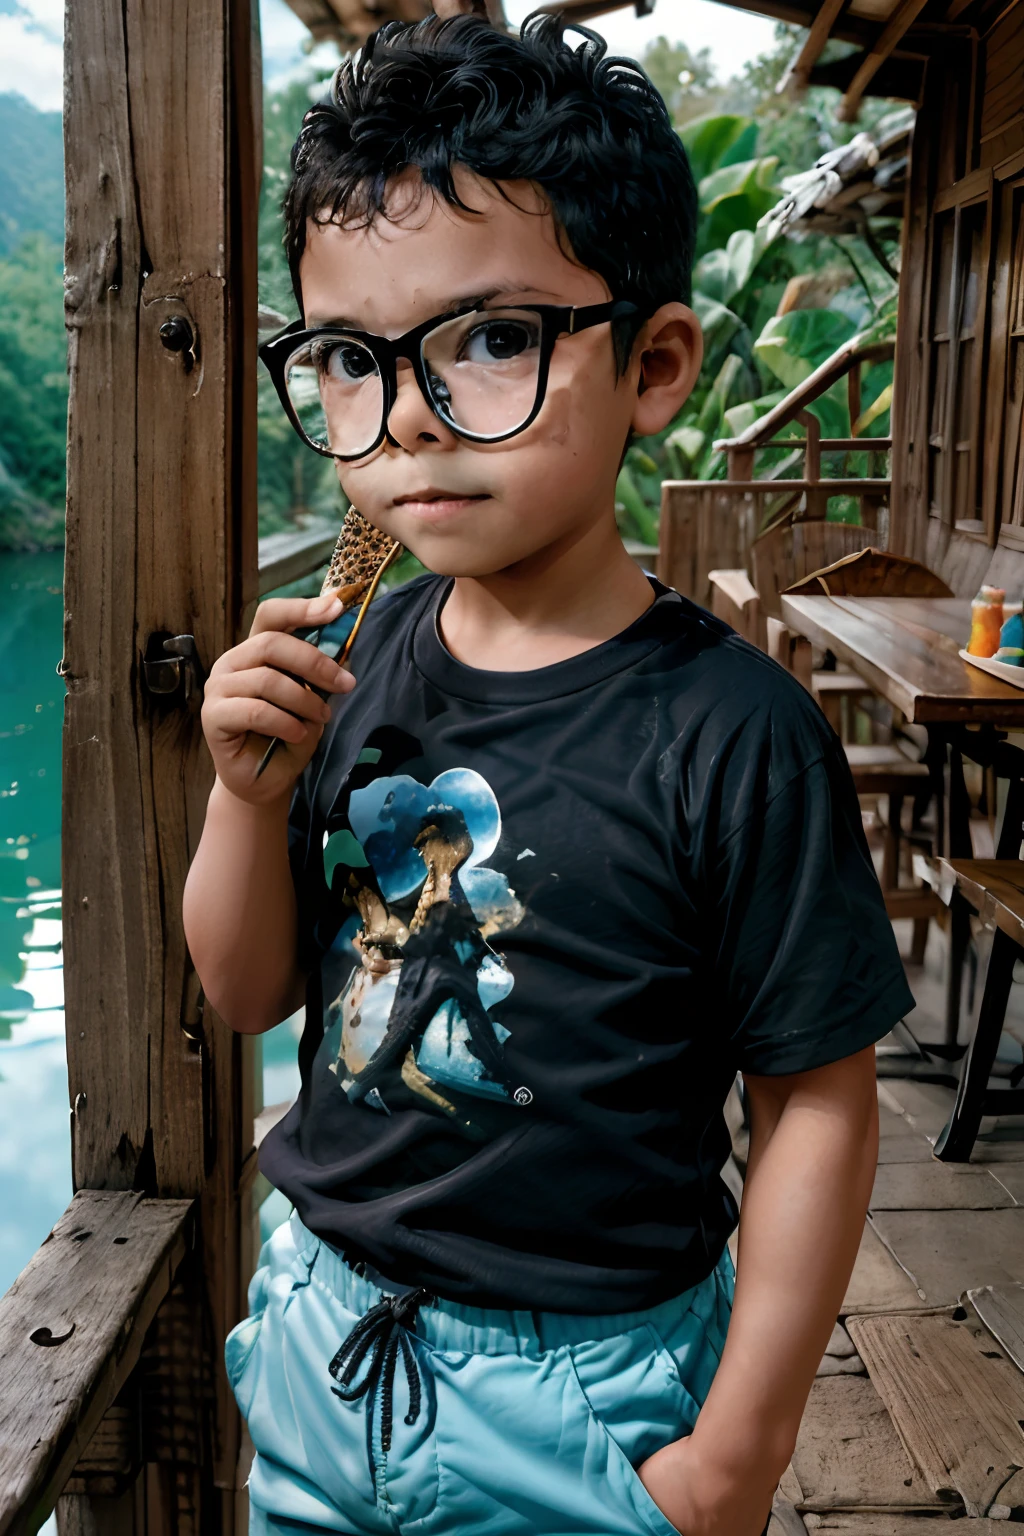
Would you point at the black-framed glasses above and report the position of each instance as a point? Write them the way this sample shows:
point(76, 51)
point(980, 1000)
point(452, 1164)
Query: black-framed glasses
point(482, 371)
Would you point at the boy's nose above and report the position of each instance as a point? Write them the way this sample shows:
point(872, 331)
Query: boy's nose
point(411, 420)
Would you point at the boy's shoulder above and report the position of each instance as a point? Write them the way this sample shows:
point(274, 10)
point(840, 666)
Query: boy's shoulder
point(718, 679)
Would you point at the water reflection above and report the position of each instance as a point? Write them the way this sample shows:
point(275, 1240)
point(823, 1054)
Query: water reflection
point(35, 1152)
point(35, 1148)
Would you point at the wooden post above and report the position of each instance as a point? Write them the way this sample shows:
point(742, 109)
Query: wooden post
point(162, 180)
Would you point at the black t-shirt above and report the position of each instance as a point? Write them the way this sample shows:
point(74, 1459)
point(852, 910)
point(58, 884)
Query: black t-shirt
point(547, 916)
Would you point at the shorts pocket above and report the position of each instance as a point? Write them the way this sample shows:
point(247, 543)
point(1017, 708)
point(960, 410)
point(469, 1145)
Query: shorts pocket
point(239, 1347)
point(622, 1475)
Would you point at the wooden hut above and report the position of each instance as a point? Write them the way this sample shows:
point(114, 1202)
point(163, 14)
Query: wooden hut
point(113, 1396)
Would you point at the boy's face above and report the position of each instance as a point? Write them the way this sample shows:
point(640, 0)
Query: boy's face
point(473, 509)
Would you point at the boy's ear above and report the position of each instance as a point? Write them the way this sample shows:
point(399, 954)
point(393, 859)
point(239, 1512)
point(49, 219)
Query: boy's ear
point(670, 347)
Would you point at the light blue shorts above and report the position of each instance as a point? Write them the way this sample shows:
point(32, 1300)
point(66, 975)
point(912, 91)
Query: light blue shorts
point(502, 1423)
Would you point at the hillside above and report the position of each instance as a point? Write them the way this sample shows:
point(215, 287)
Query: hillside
point(31, 172)
point(33, 381)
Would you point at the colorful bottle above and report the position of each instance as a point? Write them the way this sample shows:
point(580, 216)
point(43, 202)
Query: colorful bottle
point(986, 621)
point(1011, 639)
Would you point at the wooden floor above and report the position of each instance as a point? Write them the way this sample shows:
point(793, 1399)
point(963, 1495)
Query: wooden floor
point(917, 1413)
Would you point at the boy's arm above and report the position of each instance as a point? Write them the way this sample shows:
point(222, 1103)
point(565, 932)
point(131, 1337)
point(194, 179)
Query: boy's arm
point(239, 907)
point(240, 916)
point(813, 1150)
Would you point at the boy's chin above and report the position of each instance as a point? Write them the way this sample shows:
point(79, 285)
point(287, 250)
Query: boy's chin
point(445, 557)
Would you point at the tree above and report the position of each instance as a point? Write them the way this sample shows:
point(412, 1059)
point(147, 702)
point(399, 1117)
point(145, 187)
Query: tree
point(686, 81)
point(33, 394)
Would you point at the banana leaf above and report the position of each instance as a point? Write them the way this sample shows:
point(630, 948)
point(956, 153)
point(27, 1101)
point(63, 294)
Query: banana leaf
point(716, 140)
point(735, 197)
point(793, 345)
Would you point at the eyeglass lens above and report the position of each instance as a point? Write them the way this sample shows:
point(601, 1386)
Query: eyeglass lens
point(483, 372)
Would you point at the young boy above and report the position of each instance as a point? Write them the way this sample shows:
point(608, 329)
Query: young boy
point(566, 858)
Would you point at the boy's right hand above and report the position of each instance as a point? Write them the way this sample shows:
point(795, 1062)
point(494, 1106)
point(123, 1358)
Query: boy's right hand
point(249, 699)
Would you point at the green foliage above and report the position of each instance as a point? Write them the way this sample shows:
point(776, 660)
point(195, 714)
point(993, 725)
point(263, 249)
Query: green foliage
point(792, 346)
point(31, 172)
point(685, 79)
point(716, 141)
point(294, 484)
point(741, 140)
point(752, 356)
point(33, 395)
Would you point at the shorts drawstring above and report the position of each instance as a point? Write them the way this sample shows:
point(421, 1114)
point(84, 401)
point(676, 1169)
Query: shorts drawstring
point(382, 1335)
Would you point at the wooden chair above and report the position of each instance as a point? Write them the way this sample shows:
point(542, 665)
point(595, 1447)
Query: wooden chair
point(872, 573)
point(994, 888)
point(735, 599)
point(790, 552)
point(880, 770)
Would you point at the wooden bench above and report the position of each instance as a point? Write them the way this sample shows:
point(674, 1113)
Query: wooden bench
point(994, 888)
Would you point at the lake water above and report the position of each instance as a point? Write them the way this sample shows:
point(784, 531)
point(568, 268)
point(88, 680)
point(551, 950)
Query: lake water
point(35, 1148)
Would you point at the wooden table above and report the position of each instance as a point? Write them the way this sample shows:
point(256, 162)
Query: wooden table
point(906, 648)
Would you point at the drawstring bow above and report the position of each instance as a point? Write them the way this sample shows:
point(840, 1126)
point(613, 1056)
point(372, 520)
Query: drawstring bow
point(382, 1334)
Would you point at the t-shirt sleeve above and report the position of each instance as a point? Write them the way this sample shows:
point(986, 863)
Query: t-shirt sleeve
point(807, 963)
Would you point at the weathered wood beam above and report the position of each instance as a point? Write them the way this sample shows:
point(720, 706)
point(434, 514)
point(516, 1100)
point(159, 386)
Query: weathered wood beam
point(899, 23)
point(293, 553)
point(162, 174)
point(71, 1330)
point(797, 76)
point(901, 75)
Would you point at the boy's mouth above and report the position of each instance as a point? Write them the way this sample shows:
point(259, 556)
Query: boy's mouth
point(432, 505)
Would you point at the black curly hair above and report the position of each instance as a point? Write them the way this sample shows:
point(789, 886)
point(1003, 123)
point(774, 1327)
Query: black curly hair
point(591, 132)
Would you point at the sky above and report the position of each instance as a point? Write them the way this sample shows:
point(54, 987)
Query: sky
point(31, 32)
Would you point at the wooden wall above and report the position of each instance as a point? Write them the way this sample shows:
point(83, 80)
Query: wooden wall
point(958, 459)
point(162, 164)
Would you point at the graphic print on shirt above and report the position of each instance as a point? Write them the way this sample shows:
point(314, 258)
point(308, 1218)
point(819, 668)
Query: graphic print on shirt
point(410, 866)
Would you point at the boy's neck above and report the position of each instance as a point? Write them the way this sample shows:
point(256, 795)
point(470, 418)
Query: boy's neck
point(562, 601)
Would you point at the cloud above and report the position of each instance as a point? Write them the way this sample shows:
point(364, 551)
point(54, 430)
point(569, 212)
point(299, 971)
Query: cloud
point(734, 38)
point(31, 50)
point(31, 35)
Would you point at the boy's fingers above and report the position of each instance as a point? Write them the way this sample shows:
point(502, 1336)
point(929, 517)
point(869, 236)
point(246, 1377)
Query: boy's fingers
point(236, 717)
point(285, 613)
point(277, 688)
point(272, 648)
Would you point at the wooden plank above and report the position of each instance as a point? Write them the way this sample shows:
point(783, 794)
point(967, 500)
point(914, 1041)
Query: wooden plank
point(113, 1457)
point(949, 1252)
point(923, 1107)
point(994, 888)
point(798, 75)
point(1012, 1179)
point(911, 663)
point(161, 538)
point(955, 1401)
point(937, 1186)
point(878, 1284)
point(848, 1455)
point(71, 1329)
point(1001, 1309)
point(286, 556)
point(898, 1525)
point(898, 1140)
point(902, 19)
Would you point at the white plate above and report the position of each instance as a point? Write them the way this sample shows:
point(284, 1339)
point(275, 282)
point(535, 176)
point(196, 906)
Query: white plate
point(1001, 669)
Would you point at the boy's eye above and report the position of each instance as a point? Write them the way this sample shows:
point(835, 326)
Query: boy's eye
point(344, 361)
point(497, 341)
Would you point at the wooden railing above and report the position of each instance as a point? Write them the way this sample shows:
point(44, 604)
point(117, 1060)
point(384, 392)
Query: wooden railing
point(294, 553)
point(287, 556)
point(72, 1328)
point(710, 525)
